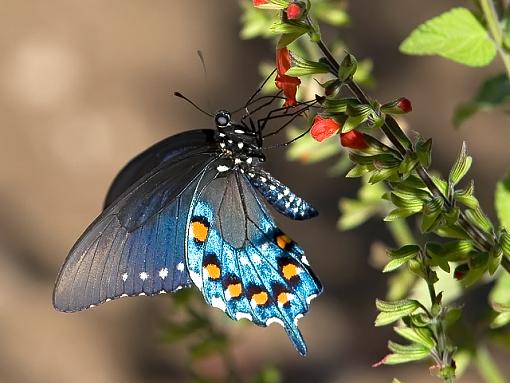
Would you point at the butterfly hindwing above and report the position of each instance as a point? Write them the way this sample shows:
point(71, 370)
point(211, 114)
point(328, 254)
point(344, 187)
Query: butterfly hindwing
point(242, 262)
point(136, 245)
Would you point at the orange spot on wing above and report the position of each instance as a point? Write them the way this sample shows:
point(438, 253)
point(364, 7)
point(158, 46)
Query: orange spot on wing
point(260, 298)
point(289, 271)
point(235, 290)
point(199, 231)
point(282, 241)
point(283, 298)
point(213, 271)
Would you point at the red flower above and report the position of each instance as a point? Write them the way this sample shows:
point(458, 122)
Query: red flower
point(294, 11)
point(353, 140)
point(405, 105)
point(259, 2)
point(283, 82)
point(323, 128)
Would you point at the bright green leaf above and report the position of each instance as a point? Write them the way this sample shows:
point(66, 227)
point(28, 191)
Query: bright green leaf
point(461, 166)
point(502, 201)
point(456, 35)
point(420, 335)
point(393, 311)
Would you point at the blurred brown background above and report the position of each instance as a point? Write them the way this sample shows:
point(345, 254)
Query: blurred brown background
point(84, 86)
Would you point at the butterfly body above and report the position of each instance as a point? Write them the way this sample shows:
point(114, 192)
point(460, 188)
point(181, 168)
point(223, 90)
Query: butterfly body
point(188, 210)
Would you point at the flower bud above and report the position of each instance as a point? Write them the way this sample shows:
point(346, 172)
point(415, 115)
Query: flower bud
point(353, 140)
point(323, 128)
point(295, 10)
point(259, 2)
point(461, 271)
point(400, 106)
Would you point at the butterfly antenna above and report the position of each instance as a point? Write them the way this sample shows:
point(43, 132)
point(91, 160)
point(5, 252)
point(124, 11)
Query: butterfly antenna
point(206, 78)
point(180, 95)
point(259, 89)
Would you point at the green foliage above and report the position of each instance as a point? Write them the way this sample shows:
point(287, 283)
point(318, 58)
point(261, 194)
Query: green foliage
point(456, 35)
point(494, 92)
point(502, 201)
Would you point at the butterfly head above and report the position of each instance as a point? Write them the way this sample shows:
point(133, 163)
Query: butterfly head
point(222, 119)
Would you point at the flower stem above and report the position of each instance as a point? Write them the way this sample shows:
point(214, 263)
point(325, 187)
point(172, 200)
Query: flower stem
point(393, 131)
point(491, 15)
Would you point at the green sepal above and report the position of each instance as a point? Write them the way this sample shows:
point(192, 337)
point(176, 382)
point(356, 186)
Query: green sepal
point(405, 353)
point(503, 317)
point(461, 167)
point(478, 218)
point(399, 213)
point(432, 210)
point(338, 105)
point(407, 203)
point(401, 256)
point(288, 38)
point(441, 184)
point(419, 335)
point(504, 241)
point(392, 311)
point(408, 163)
point(303, 67)
point(495, 258)
point(348, 68)
point(382, 175)
point(274, 4)
point(424, 152)
point(289, 27)
point(357, 114)
point(466, 196)
point(452, 231)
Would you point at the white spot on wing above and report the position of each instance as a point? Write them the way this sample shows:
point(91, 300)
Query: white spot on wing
point(286, 191)
point(256, 259)
point(222, 168)
point(163, 273)
point(218, 303)
point(240, 316)
point(108, 300)
point(142, 294)
point(249, 160)
point(124, 277)
point(123, 295)
point(297, 318)
point(144, 275)
point(91, 306)
point(272, 187)
point(264, 246)
point(305, 260)
point(270, 321)
point(196, 278)
point(310, 298)
point(240, 145)
point(162, 292)
point(180, 266)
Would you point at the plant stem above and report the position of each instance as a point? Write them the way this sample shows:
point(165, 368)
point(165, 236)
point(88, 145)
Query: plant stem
point(491, 15)
point(487, 367)
point(393, 131)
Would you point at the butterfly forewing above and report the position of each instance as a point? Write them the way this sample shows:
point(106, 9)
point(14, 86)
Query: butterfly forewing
point(136, 246)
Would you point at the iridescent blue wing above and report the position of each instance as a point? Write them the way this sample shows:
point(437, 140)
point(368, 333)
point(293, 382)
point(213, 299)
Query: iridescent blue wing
point(169, 149)
point(136, 245)
point(280, 196)
point(243, 263)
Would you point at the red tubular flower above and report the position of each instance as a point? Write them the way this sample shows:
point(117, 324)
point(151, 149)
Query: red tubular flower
point(259, 2)
point(405, 105)
point(283, 82)
point(353, 140)
point(323, 128)
point(294, 11)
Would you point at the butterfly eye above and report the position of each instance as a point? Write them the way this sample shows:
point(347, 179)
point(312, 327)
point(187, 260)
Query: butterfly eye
point(222, 118)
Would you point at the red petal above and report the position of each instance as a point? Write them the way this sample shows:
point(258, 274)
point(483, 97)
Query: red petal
point(283, 82)
point(405, 105)
point(323, 128)
point(353, 140)
point(282, 60)
point(294, 11)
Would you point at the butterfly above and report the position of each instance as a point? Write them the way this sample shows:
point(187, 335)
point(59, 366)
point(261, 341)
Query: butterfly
point(190, 210)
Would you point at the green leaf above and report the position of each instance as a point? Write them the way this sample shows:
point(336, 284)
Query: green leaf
point(461, 166)
point(401, 256)
point(404, 354)
point(348, 67)
point(393, 311)
point(495, 91)
point(502, 201)
point(420, 335)
point(431, 213)
point(456, 35)
point(424, 152)
point(288, 38)
point(399, 214)
point(302, 67)
point(269, 375)
point(288, 27)
point(274, 4)
point(339, 105)
point(330, 13)
point(466, 196)
point(480, 219)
